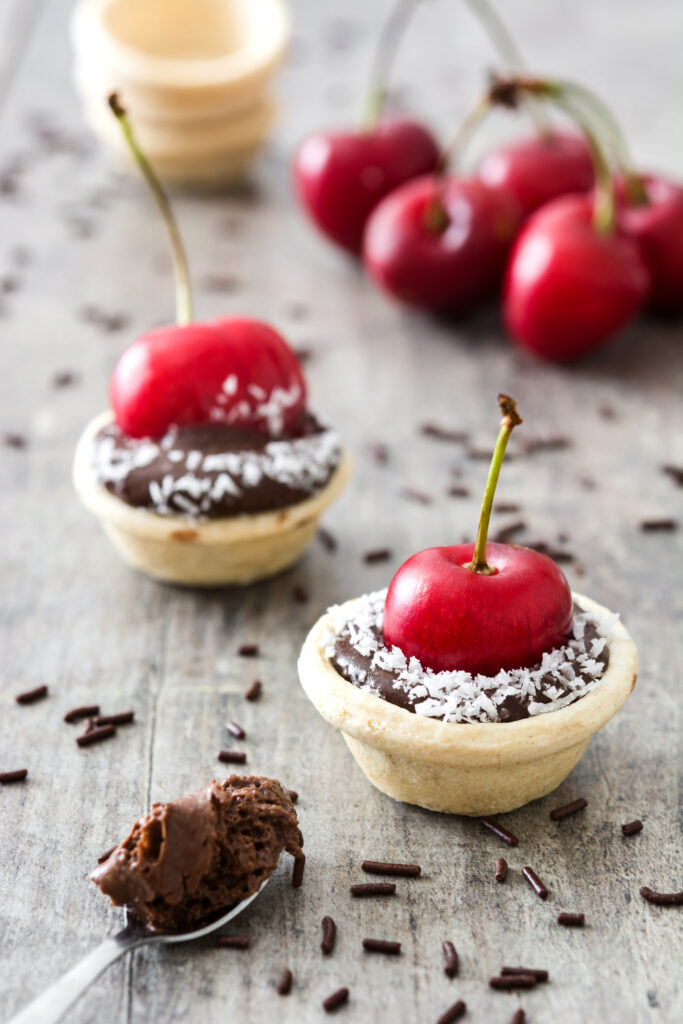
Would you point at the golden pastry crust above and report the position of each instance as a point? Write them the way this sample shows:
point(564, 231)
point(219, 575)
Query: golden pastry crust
point(229, 550)
point(479, 768)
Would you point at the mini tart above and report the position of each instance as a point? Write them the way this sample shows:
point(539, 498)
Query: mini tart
point(228, 550)
point(464, 768)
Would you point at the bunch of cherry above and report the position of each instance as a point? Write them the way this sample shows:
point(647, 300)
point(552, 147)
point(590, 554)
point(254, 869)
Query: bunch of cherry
point(580, 242)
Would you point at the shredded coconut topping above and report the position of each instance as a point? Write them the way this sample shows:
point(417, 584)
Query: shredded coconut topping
point(457, 696)
point(303, 463)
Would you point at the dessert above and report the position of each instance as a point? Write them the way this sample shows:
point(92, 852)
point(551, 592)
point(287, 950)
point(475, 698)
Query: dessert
point(202, 853)
point(473, 684)
point(210, 469)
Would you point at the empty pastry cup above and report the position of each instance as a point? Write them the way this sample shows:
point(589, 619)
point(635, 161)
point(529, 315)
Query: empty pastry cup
point(473, 769)
point(194, 74)
point(218, 552)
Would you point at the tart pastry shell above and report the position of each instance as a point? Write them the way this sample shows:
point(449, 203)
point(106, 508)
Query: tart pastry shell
point(462, 768)
point(212, 553)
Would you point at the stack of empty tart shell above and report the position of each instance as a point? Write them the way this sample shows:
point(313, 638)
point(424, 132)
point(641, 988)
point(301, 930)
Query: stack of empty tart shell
point(194, 74)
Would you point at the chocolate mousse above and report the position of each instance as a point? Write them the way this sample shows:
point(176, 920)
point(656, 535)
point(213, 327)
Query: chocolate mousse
point(202, 853)
point(212, 470)
point(564, 675)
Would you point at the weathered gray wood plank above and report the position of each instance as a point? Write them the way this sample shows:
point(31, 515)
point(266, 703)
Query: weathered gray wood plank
point(74, 617)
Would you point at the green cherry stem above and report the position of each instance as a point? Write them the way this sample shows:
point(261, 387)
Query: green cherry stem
point(605, 117)
point(511, 419)
point(393, 31)
point(183, 290)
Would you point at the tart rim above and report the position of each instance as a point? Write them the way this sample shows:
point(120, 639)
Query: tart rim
point(219, 530)
point(371, 719)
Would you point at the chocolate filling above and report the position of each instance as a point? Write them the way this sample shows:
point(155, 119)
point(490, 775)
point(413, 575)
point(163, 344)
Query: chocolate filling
point(213, 470)
point(409, 687)
point(202, 853)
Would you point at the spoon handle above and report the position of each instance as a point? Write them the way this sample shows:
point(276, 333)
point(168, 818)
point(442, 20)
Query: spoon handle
point(49, 1007)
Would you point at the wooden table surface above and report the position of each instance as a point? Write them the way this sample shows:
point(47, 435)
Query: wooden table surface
point(83, 269)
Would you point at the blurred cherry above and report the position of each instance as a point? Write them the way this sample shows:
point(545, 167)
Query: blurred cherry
point(441, 243)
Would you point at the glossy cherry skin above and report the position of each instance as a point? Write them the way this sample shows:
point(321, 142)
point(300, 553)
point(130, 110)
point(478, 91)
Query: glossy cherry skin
point(449, 617)
point(568, 288)
point(341, 176)
point(657, 228)
point(539, 168)
point(449, 270)
point(239, 372)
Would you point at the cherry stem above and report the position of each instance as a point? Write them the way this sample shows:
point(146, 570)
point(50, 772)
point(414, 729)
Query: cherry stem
point(604, 208)
point(393, 31)
point(635, 188)
point(511, 419)
point(435, 217)
point(508, 92)
point(183, 290)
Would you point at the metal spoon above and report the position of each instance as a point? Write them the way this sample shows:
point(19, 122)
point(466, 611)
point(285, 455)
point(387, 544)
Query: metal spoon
point(53, 1003)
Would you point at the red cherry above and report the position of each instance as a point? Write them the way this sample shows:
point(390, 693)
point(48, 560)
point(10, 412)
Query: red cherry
point(449, 617)
point(237, 372)
point(568, 287)
point(657, 228)
point(441, 244)
point(341, 176)
point(540, 168)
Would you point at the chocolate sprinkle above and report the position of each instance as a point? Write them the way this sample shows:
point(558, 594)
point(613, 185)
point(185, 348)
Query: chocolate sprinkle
point(453, 1013)
point(300, 594)
point(538, 973)
point(518, 1017)
point(293, 795)
point(336, 1000)
point(329, 935)
point(381, 946)
point(507, 982)
point(380, 867)
point(415, 494)
point(16, 776)
point(284, 985)
point(12, 440)
point(662, 899)
point(232, 756)
point(254, 691)
point(123, 718)
point(86, 711)
point(438, 433)
point(571, 920)
point(632, 828)
point(248, 650)
point(506, 533)
point(236, 730)
point(233, 941)
point(675, 472)
point(327, 539)
point(501, 869)
point(458, 491)
point(106, 855)
point(31, 696)
point(377, 555)
point(535, 882)
point(96, 735)
point(553, 443)
point(373, 889)
point(572, 808)
point(451, 957)
point(498, 830)
point(298, 870)
point(64, 379)
point(506, 506)
point(658, 525)
point(378, 452)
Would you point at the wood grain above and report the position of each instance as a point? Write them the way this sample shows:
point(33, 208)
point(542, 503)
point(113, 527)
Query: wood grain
point(86, 255)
